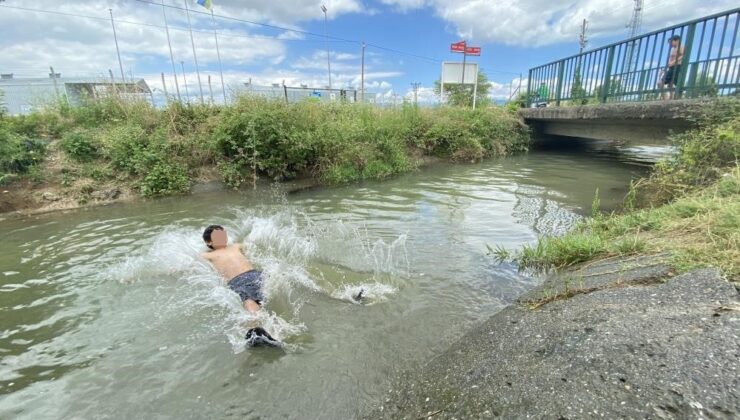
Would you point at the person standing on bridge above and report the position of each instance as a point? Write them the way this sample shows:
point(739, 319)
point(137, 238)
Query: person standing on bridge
point(670, 74)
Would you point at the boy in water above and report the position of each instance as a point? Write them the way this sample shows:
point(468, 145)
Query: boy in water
point(231, 263)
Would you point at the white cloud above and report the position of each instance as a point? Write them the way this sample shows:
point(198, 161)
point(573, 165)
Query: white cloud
point(424, 96)
point(85, 46)
point(544, 22)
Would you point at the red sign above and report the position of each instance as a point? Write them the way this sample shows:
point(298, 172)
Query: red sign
point(472, 50)
point(458, 47)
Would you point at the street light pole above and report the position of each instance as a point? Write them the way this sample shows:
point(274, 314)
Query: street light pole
point(328, 53)
point(118, 52)
point(185, 81)
point(362, 75)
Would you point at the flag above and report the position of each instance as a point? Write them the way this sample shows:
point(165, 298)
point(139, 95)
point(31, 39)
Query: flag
point(208, 4)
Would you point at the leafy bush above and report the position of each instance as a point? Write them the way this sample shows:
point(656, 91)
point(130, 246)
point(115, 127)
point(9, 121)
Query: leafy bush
point(18, 153)
point(165, 179)
point(38, 125)
point(80, 146)
point(704, 155)
point(130, 148)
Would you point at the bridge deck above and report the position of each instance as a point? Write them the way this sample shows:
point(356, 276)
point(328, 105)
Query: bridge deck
point(644, 122)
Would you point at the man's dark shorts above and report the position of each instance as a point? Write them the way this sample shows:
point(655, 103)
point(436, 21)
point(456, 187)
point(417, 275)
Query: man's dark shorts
point(248, 285)
point(671, 75)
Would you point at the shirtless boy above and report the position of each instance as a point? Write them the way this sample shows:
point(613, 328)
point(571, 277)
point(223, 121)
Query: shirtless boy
point(231, 263)
point(670, 75)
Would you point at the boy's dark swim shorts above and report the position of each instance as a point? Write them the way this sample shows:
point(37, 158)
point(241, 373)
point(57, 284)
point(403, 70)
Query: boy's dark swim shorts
point(248, 285)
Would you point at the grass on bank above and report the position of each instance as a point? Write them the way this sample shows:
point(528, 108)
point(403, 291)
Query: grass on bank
point(161, 151)
point(689, 206)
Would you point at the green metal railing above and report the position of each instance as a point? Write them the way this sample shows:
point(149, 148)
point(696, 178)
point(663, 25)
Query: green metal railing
point(630, 70)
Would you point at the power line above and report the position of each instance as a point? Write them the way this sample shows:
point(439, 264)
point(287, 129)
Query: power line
point(151, 25)
point(282, 28)
point(330, 38)
point(233, 35)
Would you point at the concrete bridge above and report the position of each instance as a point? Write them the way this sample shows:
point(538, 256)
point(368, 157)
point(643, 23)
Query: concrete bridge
point(625, 81)
point(634, 122)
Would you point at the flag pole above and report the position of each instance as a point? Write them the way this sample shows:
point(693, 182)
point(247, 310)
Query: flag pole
point(218, 54)
point(195, 56)
point(172, 57)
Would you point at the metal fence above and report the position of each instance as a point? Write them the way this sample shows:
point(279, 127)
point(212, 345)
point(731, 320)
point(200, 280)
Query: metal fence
point(302, 93)
point(631, 70)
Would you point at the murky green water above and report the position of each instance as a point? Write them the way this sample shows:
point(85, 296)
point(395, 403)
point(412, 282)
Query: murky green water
point(109, 312)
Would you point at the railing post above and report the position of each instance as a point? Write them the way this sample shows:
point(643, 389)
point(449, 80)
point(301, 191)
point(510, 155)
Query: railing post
point(685, 63)
point(607, 76)
point(529, 86)
point(559, 88)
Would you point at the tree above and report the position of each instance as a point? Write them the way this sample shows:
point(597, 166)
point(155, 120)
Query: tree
point(704, 87)
point(462, 95)
point(577, 92)
point(615, 89)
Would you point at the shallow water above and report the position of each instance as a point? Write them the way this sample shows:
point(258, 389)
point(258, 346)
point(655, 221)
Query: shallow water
point(110, 313)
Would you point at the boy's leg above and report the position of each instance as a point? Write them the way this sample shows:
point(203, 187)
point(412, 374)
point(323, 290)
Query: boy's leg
point(251, 306)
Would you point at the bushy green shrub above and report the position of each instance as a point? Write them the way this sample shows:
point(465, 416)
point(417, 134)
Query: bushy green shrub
point(165, 178)
point(703, 156)
point(130, 148)
point(270, 136)
point(38, 125)
point(80, 145)
point(18, 153)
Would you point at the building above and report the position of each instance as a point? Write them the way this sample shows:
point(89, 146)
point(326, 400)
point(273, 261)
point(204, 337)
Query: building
point(24, 95)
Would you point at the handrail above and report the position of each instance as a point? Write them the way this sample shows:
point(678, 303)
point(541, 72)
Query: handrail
point(636, 69)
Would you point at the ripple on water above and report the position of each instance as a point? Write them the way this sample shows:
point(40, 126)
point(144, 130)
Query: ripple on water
point(112, 313)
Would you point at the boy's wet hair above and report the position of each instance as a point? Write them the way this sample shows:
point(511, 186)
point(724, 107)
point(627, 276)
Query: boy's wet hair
point(207, 233)
point(675, 38)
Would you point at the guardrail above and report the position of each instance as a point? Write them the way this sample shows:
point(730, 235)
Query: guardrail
point(630, 70)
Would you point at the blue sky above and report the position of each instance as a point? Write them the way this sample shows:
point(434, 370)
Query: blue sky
point(514, 35)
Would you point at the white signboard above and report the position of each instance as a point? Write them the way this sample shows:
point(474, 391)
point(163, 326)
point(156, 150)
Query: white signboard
point(452, 73)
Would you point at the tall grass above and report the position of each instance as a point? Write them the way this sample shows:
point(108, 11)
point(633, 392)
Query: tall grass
point(690, 207)
point(160, 151)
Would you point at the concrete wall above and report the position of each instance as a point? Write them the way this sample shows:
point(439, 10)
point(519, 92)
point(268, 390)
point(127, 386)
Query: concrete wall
point(644, 122)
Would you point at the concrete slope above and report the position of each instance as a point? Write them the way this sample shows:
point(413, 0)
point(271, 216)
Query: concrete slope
point(628, 346)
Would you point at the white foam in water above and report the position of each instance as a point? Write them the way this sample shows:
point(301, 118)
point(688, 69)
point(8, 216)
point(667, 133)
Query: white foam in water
point(283, 249)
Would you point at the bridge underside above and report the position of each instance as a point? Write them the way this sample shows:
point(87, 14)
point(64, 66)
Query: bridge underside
point(644, 123)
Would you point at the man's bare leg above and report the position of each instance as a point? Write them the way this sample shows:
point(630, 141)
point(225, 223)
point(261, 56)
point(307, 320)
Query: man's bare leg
point(661, 86)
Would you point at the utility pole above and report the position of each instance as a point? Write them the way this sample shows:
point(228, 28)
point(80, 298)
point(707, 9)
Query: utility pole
point(115, 37)
point(172, 57)
point(164, 87)
point(218, 54)
point(415, 86)
point(328, 53)
point(362, 75)
point(195, 56)
point(185, 81)
point(583, 40)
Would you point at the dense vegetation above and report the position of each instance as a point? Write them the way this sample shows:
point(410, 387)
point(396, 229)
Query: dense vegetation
point(160, 151)
point(689, 206)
